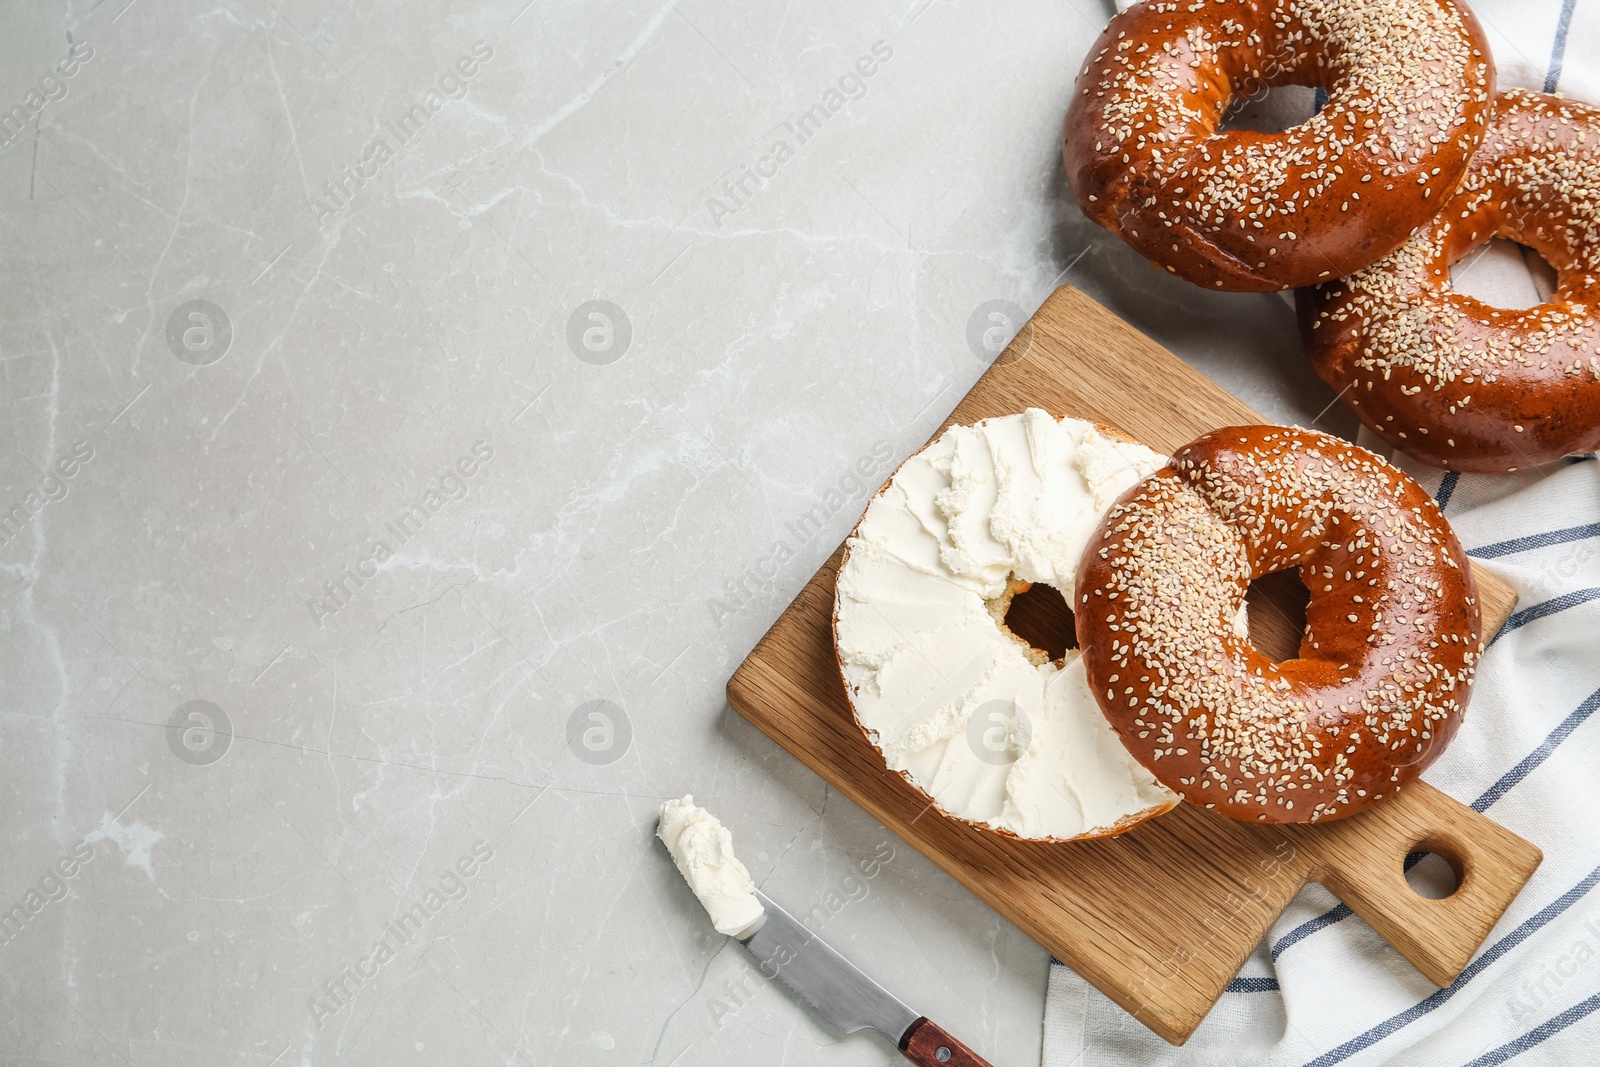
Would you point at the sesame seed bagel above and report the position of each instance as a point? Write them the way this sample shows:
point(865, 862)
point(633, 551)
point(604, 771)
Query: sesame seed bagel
point(1446, 377)
point(1391, 640)
point(1408, 85)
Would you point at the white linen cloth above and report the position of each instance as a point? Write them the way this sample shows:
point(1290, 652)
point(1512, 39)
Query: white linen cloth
point(1323, 988)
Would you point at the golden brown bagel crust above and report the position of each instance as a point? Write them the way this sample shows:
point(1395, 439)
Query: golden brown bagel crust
point(1408, 86)
point(1447, 378)
point(1392, 629)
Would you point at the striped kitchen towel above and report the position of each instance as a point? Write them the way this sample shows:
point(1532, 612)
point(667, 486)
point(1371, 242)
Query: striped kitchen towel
point(1323, 988)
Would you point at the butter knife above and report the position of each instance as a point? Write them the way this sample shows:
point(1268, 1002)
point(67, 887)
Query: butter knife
point(786, 950)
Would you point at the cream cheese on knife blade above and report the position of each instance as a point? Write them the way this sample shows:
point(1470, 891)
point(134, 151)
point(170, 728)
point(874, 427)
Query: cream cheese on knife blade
point(787, 949)
point(703, 850)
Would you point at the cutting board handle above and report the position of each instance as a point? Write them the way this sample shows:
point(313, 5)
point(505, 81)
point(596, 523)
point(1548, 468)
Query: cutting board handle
point(1362, 863)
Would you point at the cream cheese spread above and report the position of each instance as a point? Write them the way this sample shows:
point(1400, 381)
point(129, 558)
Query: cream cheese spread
point(703, 850)
point(989, 729)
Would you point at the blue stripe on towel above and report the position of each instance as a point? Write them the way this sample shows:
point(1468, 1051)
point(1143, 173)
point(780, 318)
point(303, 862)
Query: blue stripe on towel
point(1336, 914)
point(1532, 760)
point(1546, 608)
point(1558, 49)
point(1553, 1026)
point(1447, 488)
point(1265, 984)
point(1538, 540)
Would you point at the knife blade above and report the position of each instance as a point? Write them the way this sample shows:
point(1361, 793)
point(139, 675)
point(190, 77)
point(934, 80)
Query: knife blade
point(786, 949)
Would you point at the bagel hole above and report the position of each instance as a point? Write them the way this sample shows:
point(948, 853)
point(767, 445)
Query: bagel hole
point(1276, 612)
point(1432, 871)
point(1271, 110)
point(1504, 274)
point(1040, 616)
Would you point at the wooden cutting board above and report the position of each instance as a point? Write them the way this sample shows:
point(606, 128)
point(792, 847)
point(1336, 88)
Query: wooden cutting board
point(1162, 918)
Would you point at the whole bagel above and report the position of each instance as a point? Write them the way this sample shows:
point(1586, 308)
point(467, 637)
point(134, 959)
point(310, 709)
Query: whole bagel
point(1408, 85)
point(1391, 640)
point(1446, 377)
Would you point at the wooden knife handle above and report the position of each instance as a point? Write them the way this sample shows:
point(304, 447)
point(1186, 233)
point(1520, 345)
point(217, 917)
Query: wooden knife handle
point(928, 1045)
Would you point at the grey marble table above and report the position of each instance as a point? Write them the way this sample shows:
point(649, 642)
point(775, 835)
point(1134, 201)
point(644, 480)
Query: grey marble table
point(387, 384)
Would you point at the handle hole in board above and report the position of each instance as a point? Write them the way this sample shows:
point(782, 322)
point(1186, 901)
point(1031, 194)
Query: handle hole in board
point(1433, 870)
